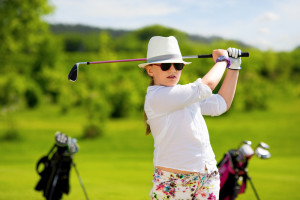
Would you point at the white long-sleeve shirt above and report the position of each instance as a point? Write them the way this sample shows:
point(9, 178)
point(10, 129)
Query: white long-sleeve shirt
point(181, 139)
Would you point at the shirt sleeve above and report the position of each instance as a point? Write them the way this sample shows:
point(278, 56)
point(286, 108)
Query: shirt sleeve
point(214, 105)
point(163, 99)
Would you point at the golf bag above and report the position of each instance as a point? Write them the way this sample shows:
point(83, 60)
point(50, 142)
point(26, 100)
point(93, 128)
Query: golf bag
point(233, 169)
point(54, 177)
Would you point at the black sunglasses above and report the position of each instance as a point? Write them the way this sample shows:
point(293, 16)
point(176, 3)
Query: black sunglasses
point(166, 66)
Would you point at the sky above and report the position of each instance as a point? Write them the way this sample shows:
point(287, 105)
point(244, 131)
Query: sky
point(264, 24)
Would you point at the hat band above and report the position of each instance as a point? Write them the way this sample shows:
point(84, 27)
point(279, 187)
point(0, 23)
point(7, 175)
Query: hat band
point(165, 57)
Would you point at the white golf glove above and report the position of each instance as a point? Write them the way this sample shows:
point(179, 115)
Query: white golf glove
point(234, 58)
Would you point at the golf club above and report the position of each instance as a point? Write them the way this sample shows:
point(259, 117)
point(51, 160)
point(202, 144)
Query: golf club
point(74, 71)
point(262, 150)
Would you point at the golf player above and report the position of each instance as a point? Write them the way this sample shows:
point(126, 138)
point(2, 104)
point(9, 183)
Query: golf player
point(185, 165)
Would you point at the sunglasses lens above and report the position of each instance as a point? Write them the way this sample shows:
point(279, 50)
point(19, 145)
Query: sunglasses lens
point(166, 66)
point(178, 66)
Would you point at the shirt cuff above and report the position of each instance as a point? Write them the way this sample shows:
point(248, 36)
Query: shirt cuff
point(204, 90)
point(222, 104)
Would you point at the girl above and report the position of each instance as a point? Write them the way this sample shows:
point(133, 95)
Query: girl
point(185, 165)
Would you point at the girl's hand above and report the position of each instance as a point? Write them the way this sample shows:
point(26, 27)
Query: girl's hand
point(234, 58)
point(219, 52)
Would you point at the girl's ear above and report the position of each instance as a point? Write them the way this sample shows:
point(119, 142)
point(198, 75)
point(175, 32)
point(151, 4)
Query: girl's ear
point(149, 70)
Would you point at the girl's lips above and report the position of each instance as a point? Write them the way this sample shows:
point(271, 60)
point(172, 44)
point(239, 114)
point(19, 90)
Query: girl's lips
point(171, 77)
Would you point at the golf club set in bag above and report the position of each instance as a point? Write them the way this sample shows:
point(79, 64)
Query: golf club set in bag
point(54, 168)
point(233, 169)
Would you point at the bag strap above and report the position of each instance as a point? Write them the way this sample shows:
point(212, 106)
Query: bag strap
point(44, 160)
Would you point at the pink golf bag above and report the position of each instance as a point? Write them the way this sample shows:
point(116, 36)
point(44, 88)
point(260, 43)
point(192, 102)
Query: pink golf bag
point(233, 169)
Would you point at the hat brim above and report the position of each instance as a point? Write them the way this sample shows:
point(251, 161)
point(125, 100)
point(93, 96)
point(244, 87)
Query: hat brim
point(143, 65)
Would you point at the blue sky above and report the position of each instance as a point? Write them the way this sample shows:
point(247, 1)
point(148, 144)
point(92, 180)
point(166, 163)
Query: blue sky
point(265, 24)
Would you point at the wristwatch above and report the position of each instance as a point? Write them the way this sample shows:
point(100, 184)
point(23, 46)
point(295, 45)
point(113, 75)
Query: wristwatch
point(224, 58)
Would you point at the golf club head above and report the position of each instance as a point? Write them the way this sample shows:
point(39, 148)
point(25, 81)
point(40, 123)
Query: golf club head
point(246, 150)
point(72, 146)
point(247, 142)
point(73, 73)
point(262, 153)
point(264, 145)
point(61, 139)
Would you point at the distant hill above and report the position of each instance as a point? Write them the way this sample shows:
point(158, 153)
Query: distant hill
point(85, 29)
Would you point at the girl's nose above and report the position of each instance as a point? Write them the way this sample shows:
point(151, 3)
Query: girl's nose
point(172, 68)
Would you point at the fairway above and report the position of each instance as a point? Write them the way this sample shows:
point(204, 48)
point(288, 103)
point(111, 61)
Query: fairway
point(119, 164)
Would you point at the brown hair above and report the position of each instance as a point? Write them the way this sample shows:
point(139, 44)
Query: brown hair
point(148, 129)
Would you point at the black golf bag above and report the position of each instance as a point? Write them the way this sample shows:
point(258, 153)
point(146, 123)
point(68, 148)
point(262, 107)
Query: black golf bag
point(233, 169)
point(55, 173)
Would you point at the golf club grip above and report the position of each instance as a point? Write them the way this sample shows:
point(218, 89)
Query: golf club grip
point(243, 54)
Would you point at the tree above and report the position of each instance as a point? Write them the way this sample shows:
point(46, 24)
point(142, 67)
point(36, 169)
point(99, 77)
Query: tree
point(22, 29)
point(21, 25)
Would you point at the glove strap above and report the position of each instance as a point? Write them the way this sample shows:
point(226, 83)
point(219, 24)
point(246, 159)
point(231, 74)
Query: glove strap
point(224, 58)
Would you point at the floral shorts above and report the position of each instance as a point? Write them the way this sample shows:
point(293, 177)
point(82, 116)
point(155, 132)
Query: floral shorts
point(167, 185)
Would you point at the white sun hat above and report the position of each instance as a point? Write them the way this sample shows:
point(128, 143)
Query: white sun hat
point(163, 50)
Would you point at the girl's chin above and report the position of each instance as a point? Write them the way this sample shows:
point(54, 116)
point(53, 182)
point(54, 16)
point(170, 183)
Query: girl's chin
point(171, 83)
point(168, 82)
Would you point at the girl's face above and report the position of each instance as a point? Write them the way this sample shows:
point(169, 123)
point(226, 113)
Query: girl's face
point(169, 77)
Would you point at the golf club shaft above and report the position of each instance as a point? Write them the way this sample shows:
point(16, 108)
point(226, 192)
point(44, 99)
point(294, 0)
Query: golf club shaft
point(244, 54)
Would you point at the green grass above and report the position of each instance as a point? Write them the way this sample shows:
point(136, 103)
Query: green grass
point(119, 164)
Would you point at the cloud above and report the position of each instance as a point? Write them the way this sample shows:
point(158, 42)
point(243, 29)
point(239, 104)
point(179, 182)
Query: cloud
point(268, 17)
point(289, 9)
point(264, 30)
